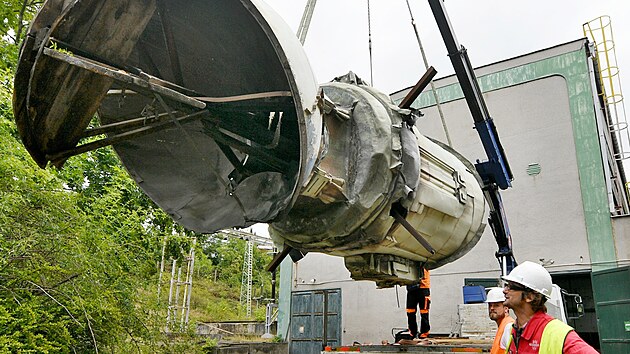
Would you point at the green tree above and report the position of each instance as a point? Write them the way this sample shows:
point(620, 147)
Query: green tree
point(15, 16)
point(79, 247)
point(67, 271)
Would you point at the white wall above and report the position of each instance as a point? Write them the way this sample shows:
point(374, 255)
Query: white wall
point(621, 229)
point(368, 314)
point(544, 212)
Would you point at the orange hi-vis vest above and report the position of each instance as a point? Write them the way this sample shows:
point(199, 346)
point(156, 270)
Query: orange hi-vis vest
point(496, 345)
point(425, 281)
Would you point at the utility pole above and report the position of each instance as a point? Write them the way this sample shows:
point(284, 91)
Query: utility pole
point(175, 307)
point(246, 280)
point(247, 273)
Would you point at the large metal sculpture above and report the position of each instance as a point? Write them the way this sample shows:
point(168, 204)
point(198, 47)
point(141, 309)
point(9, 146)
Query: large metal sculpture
point(213, 109)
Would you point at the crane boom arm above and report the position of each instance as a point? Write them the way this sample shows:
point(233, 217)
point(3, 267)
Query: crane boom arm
point(495, 173)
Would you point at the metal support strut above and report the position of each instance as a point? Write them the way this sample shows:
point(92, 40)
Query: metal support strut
point(495, 173)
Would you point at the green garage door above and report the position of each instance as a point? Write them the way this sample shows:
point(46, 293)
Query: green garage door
point(315, 320)
point(611, 289)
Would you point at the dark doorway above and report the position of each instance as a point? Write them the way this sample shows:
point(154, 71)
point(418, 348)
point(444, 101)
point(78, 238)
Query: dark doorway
point(579, 282)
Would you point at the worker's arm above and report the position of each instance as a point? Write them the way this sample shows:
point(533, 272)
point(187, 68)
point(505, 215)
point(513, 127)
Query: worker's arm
point(573, 344)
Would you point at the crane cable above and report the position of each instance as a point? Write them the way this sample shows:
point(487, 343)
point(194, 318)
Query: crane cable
point(370, 42)
point(305, 23)
point(426, 66)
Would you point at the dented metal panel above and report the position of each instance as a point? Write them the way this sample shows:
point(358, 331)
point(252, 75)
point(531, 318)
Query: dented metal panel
point(274, 136)
point(229, 129)
point(213, 109)
point(435, 187)
point(56, 101)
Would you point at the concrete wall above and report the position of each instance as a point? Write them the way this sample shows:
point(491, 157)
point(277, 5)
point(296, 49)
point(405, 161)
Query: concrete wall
point(252, 348)
point(576, 151)
point(621, 229)
point(368, 314)
point(475, 323)
point(231, 328)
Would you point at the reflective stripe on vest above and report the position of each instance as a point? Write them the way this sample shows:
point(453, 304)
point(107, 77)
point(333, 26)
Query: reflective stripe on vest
point(553, 337)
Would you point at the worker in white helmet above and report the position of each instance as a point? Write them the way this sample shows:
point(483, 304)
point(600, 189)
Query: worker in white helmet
point(527, 288)
point(500, 314)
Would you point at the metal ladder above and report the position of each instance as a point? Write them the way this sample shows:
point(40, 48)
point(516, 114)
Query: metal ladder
point(600, 32)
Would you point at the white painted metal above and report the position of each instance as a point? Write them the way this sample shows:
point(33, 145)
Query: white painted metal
point(555, 305)
point(305, 86)
point(271, 315)
point(189, 280)
point(246, 279)
point(248, 236)
point(176, 310)
point(170, 310)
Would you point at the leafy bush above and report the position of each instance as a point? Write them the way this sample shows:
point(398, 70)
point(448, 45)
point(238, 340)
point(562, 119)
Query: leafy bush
point(80, 247)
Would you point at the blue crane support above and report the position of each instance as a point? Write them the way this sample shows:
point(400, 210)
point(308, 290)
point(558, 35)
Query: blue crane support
point(495, 172)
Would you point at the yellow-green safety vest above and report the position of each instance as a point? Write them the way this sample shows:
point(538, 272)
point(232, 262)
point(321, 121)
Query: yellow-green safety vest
point(552, 341)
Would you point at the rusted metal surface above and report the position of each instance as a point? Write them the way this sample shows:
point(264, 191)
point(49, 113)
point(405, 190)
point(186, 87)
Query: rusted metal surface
point(209, 106)
point(57, 101)
point(424, 81)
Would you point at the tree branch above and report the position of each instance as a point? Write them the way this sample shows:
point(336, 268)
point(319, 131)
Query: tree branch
point(87, 319)
point(57, 302)
point(65, 280)
point(20, 26)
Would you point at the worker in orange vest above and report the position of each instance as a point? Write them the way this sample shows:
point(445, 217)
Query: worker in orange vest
point(419, 296)
point(500, 314)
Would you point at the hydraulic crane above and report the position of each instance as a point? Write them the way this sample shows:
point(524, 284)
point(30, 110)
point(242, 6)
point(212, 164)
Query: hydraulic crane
point(495, 172)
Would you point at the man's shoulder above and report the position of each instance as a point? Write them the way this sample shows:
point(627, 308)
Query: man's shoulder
point(541, 316)
point(536, 324)
point(507, 321)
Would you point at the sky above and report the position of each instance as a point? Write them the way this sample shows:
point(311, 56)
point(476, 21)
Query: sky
point(491, 30)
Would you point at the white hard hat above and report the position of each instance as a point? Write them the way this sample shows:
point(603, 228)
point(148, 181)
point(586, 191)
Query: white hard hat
point(495, 295)
point(531, 275)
